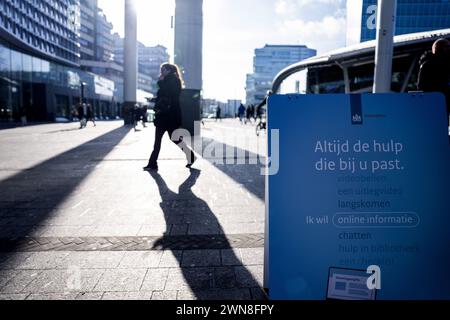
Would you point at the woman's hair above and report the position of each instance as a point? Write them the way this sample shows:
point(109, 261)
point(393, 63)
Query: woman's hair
point(173, 68)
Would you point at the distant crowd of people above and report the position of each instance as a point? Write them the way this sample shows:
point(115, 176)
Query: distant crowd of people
point(252, 112)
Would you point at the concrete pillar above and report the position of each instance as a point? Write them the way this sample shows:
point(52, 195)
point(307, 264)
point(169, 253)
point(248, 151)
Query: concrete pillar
point(189, 41)
point(130, 61)
point(385, 45)
point(188, 56)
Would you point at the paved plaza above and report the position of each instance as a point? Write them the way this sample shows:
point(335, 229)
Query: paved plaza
point(80, 219)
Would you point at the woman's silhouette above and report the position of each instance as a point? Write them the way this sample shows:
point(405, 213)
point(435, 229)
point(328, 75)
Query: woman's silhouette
point(203, 281)
point(168, 113)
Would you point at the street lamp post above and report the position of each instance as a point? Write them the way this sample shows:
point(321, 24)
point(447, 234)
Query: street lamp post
point(385, 45)
point(82, 86)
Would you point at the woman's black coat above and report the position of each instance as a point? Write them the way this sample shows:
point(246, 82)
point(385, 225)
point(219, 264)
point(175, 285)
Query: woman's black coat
point(167, 104)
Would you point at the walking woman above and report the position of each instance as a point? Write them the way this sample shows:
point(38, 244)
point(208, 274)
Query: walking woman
point(168, 113)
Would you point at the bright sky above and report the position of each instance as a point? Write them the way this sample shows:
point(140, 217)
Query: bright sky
point(233, 29)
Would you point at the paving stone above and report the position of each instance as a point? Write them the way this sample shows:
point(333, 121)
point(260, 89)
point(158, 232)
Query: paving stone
point(13, 260)
point(258, 294)
point(251, 276)
point(205, 228)
point(192, 278)
point(102, 231)
point(179, 229)
point(138, 295)
point(94, 260)
point(121, 280)
point(65, 281)
point(243, 227)
point(155, 280)
point(89, 296)
point(20, 281)
point(201, 258)
point(6, 275)
point(231, 257)
point(13, 296)
point(53, 296)
point(164, 295)
point(154, 230)
point(223, 294)
point(45, 260)
point(141, 259)
point(252, 256)
point(186, 295)
point(224, 277)
point(171, 259)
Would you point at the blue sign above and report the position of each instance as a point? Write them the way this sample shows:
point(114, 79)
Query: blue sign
point(362, 191)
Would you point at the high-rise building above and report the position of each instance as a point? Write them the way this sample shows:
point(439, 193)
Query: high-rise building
point(267, 62)
point(118, 48)
point(149, 60)
point(40, 75)
point(88, 13)
point(48, 29)
point(98, 49)
point(104, 43)
point(96, 40)
point(412, 16)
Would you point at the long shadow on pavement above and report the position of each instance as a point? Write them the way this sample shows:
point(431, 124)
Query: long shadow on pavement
point(13, 125)
point(210, 274)
point(248, 174)
point(31, 196)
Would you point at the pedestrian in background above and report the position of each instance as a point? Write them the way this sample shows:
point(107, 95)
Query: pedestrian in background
point(82, 111)
point(90, 114)
point(241, 113)
point(168, 113)
point(434, 74)
point(218, 113)
point(248, 114)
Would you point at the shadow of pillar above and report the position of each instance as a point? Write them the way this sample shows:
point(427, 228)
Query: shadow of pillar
point(31, 196)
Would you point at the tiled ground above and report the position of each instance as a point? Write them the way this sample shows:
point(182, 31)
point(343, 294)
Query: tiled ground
point(58, 182)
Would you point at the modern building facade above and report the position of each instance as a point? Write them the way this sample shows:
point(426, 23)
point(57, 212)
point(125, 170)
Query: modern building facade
point(104, 43)
point(47, 28)
point(40, 75)
point(96, 40)
point(227, 109)
point(149, 62)
point(43, 90)
point(88, 13)
point(267, 62)
point(412, 16)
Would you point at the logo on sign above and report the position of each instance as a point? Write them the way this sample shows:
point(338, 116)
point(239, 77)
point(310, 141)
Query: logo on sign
point(356, 119)
point(356, 109)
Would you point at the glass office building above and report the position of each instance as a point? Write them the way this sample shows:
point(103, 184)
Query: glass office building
point(40, 75)
point(48, 28)
point(44, 90)
point(267, 62)
point(412, 16)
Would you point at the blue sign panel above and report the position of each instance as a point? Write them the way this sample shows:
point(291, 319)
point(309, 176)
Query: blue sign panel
point(360, 206)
